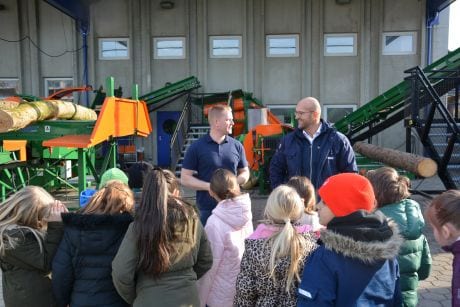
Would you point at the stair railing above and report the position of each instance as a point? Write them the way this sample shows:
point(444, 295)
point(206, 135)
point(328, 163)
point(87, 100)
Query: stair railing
point(180, 133)
point(424, 91)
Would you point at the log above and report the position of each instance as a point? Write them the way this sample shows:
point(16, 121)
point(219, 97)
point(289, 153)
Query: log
point(8, 104)
point(421, 166)
point(29, 112)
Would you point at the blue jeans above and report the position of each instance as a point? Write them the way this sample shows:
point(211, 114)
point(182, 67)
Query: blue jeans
point(204, 215)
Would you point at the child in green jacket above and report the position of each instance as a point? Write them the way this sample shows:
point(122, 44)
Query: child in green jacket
point(392, 192)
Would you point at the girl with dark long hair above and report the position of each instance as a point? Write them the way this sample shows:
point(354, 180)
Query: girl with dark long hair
point(165, 249)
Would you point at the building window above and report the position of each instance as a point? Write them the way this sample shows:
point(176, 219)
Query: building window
point(282, 45)
point(284, 112)
point(53, 85)
point(225, 46)
point(169, 48)
point(9, 85)
point(335, 112)
point(114, 48)
point(340, 44)
point(399, 43)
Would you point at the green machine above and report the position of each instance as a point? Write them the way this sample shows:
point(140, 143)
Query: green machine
point(52, 153)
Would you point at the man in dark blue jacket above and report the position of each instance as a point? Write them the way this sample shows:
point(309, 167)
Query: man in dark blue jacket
point(314, 149)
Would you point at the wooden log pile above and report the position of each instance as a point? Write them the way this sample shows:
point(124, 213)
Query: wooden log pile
point(14, 116)
point(421, 166)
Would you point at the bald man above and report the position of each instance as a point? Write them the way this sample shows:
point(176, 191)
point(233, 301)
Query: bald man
point(314, 149)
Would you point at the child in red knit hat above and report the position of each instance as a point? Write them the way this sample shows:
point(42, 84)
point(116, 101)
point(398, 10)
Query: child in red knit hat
point(355, 264)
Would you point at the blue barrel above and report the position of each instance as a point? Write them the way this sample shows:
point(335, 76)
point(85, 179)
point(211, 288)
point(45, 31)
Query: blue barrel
point(85, 196)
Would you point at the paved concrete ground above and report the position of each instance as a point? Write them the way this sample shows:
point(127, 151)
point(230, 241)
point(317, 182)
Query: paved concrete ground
point(435, 291)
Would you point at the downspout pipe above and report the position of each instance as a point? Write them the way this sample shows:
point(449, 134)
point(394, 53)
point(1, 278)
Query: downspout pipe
point(84, 37)
point(431, 21)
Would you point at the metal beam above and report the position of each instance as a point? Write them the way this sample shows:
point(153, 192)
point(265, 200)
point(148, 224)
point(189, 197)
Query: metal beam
point(77, 9)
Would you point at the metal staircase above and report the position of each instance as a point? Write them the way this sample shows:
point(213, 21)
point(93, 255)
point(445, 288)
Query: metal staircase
point(437, 127)
point(193, 134)
point(417, 100)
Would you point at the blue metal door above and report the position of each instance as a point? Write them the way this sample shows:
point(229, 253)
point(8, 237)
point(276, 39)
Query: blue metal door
point(166, 124)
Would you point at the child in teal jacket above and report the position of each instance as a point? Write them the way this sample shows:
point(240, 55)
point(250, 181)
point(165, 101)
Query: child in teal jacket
point(392, 192)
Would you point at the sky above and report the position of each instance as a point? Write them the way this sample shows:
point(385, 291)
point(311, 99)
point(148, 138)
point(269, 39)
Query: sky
point(454, 26)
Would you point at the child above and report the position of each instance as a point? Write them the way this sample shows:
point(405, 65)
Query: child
point(227, 227)
point(306, 191)
point(165, 249)
point(392, 192)
point(355, 265)
point(30, 231)
point(443, 214)
point(275, 253)
point(82, 267)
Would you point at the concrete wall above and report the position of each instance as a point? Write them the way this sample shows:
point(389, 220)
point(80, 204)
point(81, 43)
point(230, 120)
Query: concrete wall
point(334, 80)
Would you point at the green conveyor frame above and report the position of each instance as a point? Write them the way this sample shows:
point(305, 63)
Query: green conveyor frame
point(395, 99)
point(170, 90)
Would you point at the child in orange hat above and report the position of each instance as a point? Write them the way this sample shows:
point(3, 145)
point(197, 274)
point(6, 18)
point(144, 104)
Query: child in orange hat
point(355, 265)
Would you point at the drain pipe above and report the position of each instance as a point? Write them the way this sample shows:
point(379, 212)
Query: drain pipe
point(431, 21)
point(84, 36)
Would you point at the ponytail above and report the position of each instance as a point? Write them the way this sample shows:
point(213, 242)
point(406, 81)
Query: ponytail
point(151, 225)
point(284, 206)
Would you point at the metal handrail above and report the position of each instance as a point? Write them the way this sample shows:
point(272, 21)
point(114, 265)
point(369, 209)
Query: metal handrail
point(421, 84)
point(178, 137)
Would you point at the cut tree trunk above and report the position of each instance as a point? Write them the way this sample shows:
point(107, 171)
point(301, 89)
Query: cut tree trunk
point(421, 166)
point(29, 112)
point(8, 104)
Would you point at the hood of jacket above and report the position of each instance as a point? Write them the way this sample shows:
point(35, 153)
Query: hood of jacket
point(98, 232)
point(235, 212)
point(374, 237)
point(408, 216)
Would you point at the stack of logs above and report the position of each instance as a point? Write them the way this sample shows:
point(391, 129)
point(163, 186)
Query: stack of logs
point(17, 115)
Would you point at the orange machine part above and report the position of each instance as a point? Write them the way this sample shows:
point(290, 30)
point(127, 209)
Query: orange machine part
point(68, 91)
point(15, 145)
point(249, 142)
point(118, 117)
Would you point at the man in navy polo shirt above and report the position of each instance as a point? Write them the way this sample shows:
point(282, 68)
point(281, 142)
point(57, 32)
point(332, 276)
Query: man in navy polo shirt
point(212, 151)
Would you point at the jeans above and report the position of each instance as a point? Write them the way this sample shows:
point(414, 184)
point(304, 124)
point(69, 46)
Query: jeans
point(204, 215)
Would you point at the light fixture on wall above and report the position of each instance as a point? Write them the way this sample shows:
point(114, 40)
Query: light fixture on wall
point(166, 4)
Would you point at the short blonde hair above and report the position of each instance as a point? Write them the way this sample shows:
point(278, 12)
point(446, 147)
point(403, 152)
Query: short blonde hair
point(284, 206)
point(216, 111)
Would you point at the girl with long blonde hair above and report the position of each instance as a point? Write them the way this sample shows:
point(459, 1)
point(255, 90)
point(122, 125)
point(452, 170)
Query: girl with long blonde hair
point(30, 231)
point(275, 253)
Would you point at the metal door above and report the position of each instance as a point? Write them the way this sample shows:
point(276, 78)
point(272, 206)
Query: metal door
point(166, 124)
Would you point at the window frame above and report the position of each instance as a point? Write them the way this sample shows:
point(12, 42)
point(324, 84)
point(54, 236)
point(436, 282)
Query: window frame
point(283, 106)
point(238, 38)
point(157, 39)
point(101, 40)
point(400, 33)
point(281, 36)
point(46, 86)
point(355, 44)
point(337, 106)
point(18, 86)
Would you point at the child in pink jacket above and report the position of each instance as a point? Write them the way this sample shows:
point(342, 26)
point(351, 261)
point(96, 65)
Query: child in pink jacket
point(227, 228)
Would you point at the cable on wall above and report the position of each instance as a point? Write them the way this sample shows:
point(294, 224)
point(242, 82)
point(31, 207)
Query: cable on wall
point(38, 47)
